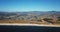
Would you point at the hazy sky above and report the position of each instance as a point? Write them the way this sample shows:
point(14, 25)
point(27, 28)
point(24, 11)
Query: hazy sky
point(29, 5)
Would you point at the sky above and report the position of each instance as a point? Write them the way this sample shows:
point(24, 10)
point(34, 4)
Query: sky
point(29, 5)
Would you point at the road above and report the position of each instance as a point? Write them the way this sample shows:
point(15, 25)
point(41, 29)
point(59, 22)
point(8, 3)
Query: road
point(13, 24)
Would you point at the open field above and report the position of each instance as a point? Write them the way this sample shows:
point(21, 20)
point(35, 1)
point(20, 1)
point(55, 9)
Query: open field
point(25, 22)
point(21, 21)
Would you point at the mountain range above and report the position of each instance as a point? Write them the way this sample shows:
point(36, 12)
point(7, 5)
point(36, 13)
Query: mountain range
point(48, 16)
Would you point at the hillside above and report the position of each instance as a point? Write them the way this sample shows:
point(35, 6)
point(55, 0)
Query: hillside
point(33, 17)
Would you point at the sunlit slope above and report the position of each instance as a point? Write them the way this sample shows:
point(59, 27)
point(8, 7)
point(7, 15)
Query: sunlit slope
point(35, 17)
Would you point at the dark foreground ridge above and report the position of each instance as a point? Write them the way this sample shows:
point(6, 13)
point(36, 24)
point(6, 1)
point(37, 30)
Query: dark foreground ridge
point(28, 29)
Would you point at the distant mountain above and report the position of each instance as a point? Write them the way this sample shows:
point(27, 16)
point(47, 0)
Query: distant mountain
point(29, 14)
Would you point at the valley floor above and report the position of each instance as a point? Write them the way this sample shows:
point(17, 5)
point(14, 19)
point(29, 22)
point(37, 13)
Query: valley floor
point(27, 23)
